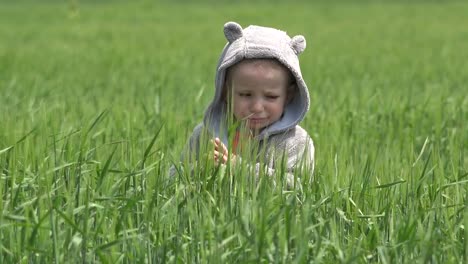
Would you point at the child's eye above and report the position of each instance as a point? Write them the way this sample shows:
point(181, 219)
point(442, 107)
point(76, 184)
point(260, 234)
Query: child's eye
point(244, 94)
point(272, 97)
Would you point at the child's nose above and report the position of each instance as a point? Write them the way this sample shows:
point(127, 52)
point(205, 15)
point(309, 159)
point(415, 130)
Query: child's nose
point(257, 106)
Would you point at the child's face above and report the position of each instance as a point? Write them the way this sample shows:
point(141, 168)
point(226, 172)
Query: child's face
point(259, 91)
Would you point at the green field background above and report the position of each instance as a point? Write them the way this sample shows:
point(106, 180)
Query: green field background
point(97, 100)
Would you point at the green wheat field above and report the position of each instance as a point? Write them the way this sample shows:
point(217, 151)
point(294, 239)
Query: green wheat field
point(98, 98)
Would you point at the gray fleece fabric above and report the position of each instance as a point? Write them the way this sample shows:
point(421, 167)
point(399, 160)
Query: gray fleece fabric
point(283, 140)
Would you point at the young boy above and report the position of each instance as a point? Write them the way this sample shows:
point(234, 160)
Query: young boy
point(259, 89)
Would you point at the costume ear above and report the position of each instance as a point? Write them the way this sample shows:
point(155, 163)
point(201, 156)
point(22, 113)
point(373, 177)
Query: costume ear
point(298, 44)
point(232, 31)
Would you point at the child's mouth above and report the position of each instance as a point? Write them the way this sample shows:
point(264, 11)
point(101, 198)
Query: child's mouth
point(256, 120)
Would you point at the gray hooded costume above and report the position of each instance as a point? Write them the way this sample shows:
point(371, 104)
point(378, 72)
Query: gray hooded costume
point(282, 139)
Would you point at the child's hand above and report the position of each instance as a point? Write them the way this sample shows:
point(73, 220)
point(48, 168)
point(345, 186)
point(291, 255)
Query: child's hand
point(221, 152)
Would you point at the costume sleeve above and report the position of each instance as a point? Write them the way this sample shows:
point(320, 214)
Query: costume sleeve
point(297, 155)
point(191, 150)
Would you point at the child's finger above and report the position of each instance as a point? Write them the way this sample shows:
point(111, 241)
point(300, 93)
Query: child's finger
point(215, 144)
point(218, 157)
point(224, 149)
point(221, 146)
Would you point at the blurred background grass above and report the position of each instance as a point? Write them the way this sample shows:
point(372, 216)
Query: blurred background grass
point(154, 61)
